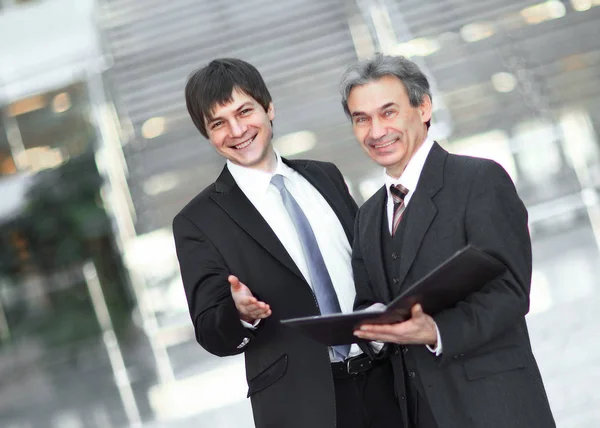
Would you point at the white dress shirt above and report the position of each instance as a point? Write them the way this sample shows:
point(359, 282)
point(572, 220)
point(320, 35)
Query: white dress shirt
point(330, 235)
point(410, 179)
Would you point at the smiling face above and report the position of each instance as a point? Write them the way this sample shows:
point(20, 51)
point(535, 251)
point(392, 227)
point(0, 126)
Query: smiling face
point(241, 131)
point(388, 127)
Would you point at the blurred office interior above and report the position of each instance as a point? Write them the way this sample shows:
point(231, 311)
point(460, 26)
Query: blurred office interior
point(97, 154)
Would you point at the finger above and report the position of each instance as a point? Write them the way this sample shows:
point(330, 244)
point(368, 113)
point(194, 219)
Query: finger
point(263, 313)
point(258, 307)
point(417, 311)
point(384, 328)
point(254, 308)
point(236, 285)
point(380, 337)
point(245, 300)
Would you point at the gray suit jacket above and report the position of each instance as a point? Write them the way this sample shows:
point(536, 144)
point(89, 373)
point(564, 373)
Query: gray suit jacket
point(487, 375)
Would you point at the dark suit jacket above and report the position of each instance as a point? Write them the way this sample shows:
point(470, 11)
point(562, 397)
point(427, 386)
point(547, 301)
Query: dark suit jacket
point(221, 233)
point(487, 376)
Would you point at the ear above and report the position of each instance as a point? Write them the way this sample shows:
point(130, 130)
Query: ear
point(271, 111)
point(425, 109)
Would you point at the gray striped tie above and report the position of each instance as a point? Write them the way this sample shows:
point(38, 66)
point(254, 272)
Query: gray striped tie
point(319, 276)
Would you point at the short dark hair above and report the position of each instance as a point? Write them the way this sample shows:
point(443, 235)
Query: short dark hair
point(368, 70)
point(213, 85)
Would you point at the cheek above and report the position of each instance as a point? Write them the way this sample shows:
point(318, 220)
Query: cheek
point(217, 140)
point(360, 134)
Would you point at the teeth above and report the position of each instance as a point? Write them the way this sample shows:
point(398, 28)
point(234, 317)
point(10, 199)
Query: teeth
point(379, 146)
point(244, 144)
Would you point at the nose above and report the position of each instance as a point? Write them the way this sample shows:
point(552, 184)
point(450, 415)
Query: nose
point(237, 128)
point(377, 130)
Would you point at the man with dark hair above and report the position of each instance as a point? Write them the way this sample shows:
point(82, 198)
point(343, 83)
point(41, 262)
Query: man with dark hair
point(270, 240)
point(470, 365)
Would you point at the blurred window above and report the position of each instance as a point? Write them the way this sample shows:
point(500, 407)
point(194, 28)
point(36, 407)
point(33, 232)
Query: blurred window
point(7, 164)
point(56, 222)
point(52, 127)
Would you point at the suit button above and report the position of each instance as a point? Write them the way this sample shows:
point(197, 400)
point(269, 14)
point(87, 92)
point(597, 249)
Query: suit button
point(402, 398)
point(396, 351)
point(396, 280)
point(395, 256)
point(412, 374)
point(404, 349)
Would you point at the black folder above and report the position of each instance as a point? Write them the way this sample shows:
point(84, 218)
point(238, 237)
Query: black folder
point(465, 272)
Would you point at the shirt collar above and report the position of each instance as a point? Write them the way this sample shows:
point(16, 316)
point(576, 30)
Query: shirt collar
point(255, 181)
point(412, 172)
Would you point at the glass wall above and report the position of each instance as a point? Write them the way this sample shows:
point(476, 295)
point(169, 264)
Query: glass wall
point(64, 299)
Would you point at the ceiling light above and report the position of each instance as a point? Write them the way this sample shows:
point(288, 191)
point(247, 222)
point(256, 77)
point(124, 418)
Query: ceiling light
point(153, 127)
point(477, 31)
point(61, 102)
point(26, 105)
point(581, 5)
point(417, 47)
point(160, 183)
point(294, 143)
point(545, 11)
point(40, 158)
point(504, 82)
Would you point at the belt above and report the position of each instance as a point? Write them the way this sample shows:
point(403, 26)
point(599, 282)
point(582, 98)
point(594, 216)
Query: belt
point(353, 366)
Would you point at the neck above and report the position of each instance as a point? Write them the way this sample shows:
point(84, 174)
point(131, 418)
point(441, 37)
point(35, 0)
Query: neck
point(395, 171)
point(269, 163)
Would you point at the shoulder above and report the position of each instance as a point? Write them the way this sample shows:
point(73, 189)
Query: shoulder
point(326, 167)
point(473, 168)
point(195, 207)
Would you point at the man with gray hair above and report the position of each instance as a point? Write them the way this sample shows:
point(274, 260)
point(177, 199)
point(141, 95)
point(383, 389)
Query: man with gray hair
point(470, 365)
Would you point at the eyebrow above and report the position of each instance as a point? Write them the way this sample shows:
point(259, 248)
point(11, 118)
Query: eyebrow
point(237, 110)
point(383, 107)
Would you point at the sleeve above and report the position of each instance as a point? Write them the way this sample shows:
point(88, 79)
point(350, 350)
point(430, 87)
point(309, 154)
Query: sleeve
point(204, 273)
point(495, 222)
point(364, 292)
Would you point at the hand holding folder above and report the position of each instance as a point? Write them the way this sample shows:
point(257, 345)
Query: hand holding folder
point(462, 274)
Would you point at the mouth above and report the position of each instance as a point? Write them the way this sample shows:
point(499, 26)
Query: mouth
point(384, 145)
point(244, 143)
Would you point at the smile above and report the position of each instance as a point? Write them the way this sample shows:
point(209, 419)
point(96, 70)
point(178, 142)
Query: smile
point(244, 144)
point(384, 145)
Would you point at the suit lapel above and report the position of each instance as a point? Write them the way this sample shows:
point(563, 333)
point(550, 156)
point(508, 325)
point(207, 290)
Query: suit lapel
point(422, 208)
point(232, 200)
point(323, 183)
point(371, 239)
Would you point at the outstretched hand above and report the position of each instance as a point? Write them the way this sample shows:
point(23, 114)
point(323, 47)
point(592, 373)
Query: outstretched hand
point(250, 308)
point(419, 329)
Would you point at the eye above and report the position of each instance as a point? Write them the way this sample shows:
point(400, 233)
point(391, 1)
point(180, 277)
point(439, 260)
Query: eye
point(246, 112)
point(216, 124)
point(360, 119)
point(389, 113)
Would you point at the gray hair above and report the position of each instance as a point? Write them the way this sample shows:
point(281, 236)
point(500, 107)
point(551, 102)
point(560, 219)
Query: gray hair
point(375, 68)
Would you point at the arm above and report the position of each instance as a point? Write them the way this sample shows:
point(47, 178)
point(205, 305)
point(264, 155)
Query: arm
point(364, 292)
point(205, 275)
point(495, 222)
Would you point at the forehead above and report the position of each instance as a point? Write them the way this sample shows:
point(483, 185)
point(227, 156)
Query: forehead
point(237, 99)
point(377, 93)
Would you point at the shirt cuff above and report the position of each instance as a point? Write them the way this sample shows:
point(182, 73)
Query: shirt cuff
point(250, 326)
point(438, 349)
point(376, 346)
